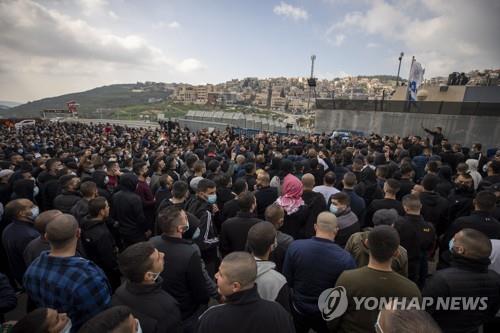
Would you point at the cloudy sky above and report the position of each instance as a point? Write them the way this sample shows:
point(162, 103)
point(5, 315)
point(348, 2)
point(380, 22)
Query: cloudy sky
point(51, 47)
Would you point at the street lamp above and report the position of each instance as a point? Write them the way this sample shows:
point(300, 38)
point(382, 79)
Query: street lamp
point(399, 67)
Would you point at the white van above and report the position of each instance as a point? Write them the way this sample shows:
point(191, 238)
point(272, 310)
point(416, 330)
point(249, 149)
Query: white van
point(25, 123)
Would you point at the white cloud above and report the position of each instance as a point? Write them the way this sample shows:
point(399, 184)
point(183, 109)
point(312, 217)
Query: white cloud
point(189, 65)
point(456, 35)
point(113, 15)
point(371, 45)
point(163, 24)
point(295, 13)
point(174, 25)
point(39, 45)
point(339, 39)
point(91, 7)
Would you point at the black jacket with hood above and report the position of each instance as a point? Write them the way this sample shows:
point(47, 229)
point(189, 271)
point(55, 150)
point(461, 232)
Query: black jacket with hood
point(208, 240)
point(246, 311)
point(157, 310)
point(100, 247)
point(127, 209)
point(66, 200)
point(465, 278)
point(435, 211)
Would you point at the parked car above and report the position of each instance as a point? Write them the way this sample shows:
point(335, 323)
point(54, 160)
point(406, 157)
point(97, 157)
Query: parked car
point(345, 134)
point(25, 123)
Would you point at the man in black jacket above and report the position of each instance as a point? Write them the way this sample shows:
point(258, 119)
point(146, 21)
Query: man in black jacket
point(233, 235)
point(276, 215)
point(8, 299)
point(417, 236)
point(127, 210)
point(391, 188)
point(265, 194)
point(204, 207)
point(437, 135)
point(405, 182)
point(244, 310)
point(314, 200)
point(448, 157)
point(98, 242)
point(184, 278)
point(231, 207)
point(39, 244)
point(434, 206)
point(19, 233)
point(468, 276)
point(461, 197)
point(481, 219)
point(81, 208)
point(358, 204)
point(69, 194)
point(157, 310)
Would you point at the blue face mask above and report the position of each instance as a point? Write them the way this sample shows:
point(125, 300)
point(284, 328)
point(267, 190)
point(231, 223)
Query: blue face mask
point(451, 244)
point(334, 209)
point(196, 233)
point(35, 211)
point(212, 198)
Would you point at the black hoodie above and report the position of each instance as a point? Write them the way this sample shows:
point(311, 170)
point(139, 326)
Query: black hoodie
point(435, 210)
point(127, 209)
point(100, 247)
point(98, 177)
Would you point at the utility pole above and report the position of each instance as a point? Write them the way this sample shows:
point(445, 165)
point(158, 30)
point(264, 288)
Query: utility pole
point(311, 82)
point(399, 67)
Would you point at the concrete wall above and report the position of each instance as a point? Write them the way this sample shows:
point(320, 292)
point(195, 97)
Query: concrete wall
point(433, 93)
point(458, 129)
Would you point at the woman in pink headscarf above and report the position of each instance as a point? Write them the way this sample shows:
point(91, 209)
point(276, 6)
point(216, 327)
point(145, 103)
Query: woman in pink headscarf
point(296, 211)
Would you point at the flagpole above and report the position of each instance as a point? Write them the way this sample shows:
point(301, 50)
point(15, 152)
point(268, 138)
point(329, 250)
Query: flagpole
point(409, 84)
point(409, 78)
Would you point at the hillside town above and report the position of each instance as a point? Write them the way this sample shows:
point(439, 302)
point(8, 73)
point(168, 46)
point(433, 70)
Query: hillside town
point(293, 95)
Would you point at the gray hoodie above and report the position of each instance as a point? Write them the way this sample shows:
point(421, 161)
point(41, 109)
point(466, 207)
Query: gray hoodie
point(269, 282)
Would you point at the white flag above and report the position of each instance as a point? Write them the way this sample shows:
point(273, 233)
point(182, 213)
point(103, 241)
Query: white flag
point(416, 78)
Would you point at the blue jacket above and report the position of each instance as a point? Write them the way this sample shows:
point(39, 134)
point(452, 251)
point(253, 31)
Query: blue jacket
point(311, 266)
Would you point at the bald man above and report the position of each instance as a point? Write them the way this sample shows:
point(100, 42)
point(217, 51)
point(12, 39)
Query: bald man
point(60, 280)
point(244, 310)
point(311, 266)
point(39, 244)
point(314, 200)
point(468, 276)
point(264, 194)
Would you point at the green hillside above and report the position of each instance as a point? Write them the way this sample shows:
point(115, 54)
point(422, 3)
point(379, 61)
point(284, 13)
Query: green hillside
point(106, 97)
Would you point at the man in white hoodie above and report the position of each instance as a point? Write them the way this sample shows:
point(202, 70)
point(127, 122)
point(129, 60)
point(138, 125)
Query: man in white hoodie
point(271, 284)
point(476, 176)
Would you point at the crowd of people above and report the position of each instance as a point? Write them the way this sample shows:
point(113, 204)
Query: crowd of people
point(106, 228)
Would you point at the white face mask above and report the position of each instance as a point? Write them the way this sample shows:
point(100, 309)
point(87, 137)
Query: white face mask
point(139, 328)
point(156, 276)
point(67, 328)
